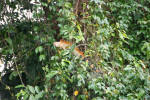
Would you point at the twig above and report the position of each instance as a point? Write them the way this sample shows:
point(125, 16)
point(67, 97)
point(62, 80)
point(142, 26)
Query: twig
point(77, 7)
point(18, 70)
point(82, 45)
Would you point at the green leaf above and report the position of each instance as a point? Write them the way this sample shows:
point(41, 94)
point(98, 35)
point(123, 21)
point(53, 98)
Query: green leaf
point(25, 97)
point(39, 95)
point(10, 51)
point(68, 5)
point(128, 68)
point(31, 89)
point(52, 74)
point(42, 57)
point(37, 89)
point(13, 74)
point(21, 93)
point(141, 93)
point(32, 97)
point(36, 28)
point(44, 4)
point(39, 49)
point(124, 35)
point(98, 98)
point(9, 41)
point(19, 86)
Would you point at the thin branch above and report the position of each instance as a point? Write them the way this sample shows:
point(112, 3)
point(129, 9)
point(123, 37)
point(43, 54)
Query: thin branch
point(18, 70)
point(77, 7)
point(82, 45)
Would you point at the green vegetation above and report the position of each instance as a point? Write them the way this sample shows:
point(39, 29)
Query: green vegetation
point(113, 34)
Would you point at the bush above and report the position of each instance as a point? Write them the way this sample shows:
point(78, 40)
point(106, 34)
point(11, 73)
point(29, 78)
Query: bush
point(114, 36)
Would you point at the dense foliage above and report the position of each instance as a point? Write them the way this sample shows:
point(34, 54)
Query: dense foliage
point(113, 34)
